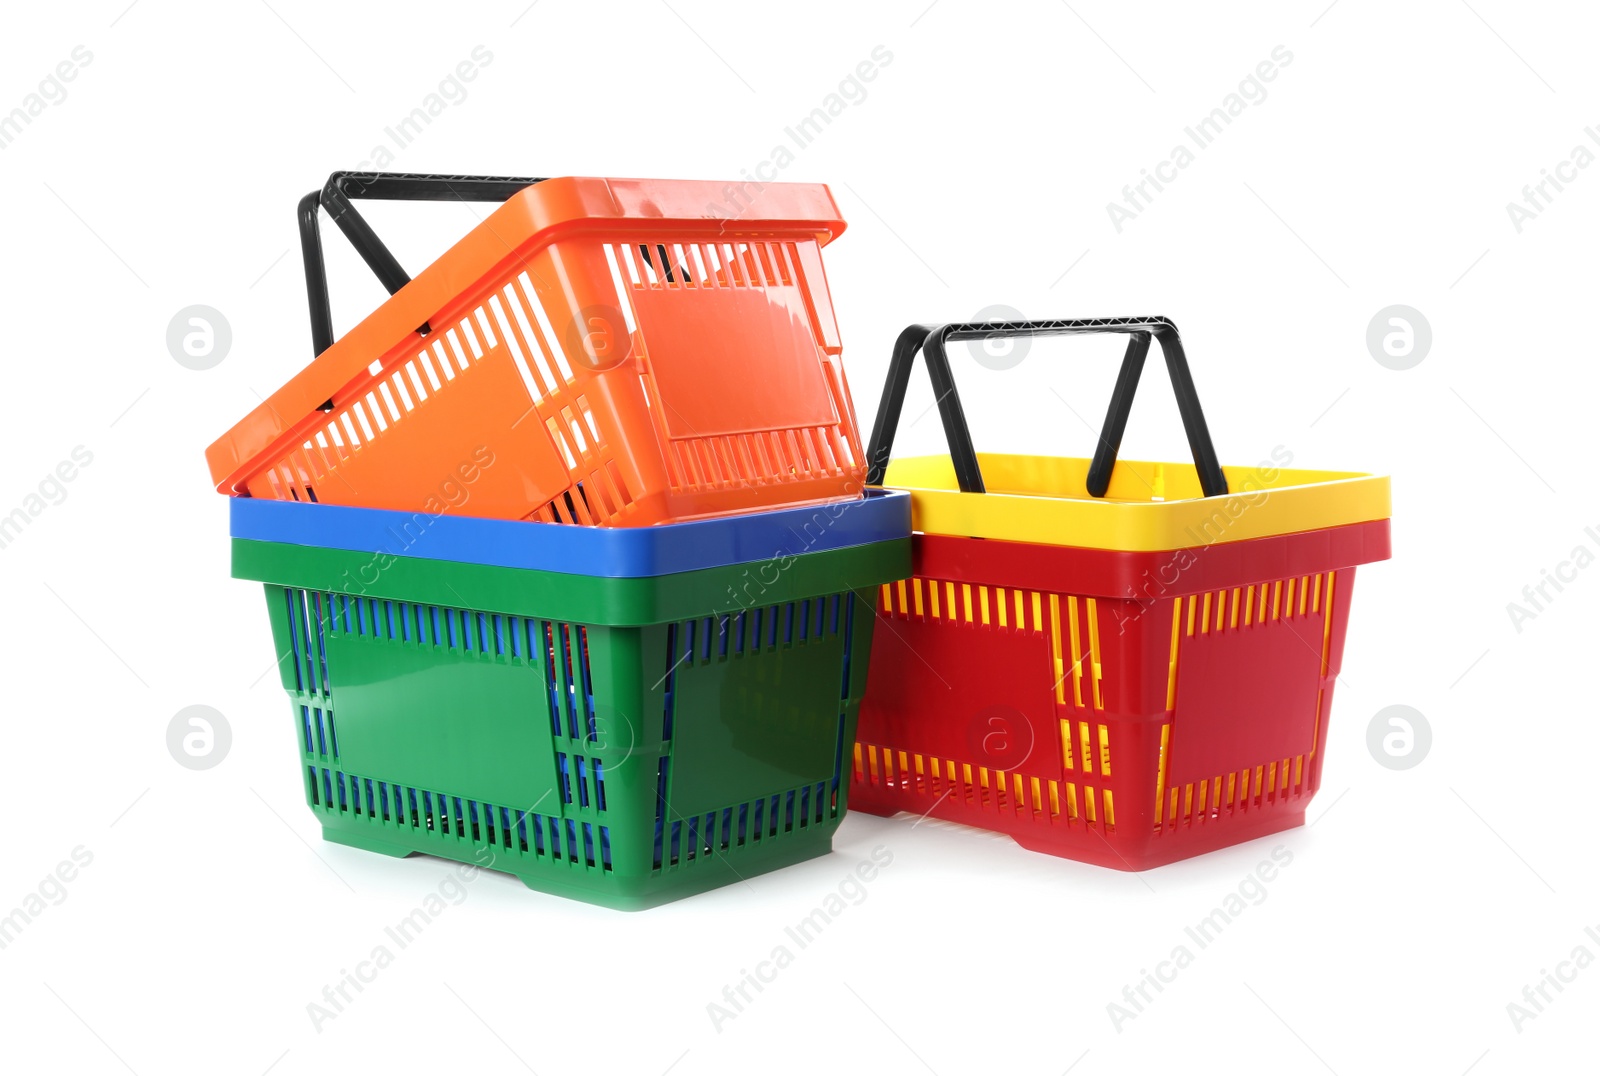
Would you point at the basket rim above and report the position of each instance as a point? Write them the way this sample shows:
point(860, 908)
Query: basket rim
point(615, 552)
point(1265, 502)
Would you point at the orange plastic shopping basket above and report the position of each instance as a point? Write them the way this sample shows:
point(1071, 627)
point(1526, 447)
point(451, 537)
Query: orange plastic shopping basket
point(1119, 662)
point(599, 351)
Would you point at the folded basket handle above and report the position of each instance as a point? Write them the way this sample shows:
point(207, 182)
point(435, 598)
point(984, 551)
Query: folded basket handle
point(932, 339)
point(336, 197)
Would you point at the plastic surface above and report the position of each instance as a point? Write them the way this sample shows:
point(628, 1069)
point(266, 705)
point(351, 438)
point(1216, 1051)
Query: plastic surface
point(623, 742)
point(1148, 506)
point(596, 551)
point(1127, 709)
point(612, 352)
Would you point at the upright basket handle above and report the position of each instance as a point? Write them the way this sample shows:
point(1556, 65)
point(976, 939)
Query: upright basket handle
point(932, 340)
point(336, 195)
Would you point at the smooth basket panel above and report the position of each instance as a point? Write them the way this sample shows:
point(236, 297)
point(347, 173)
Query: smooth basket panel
point(929, 707)
point(730, 361)
point(442, 717)
point(756, 702)
point(1246, 695)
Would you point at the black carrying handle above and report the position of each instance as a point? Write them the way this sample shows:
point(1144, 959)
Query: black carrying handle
point(932, 339)
point(336, 197)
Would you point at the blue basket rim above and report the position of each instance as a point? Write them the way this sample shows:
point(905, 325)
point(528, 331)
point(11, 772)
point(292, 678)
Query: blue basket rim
point(609, 552)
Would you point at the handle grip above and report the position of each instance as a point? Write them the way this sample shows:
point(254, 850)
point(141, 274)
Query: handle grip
point(932, 341)
point(336, 197)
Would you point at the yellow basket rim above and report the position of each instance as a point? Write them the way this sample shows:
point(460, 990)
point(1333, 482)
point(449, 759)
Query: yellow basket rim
point(1294, 501)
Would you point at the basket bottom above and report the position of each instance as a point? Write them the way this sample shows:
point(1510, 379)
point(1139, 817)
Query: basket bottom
point(1095, 846)
point(613, 890)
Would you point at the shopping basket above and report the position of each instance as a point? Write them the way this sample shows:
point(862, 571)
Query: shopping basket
point(596, 351)
point(1119, 662)
point(621, 739)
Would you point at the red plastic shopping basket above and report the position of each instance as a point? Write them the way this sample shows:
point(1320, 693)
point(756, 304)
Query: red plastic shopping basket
point(1118, 662)
point(599, 351)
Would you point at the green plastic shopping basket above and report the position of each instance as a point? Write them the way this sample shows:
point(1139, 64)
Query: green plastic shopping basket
point(620, 741)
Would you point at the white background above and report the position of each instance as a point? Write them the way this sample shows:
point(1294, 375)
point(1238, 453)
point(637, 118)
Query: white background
point(975, 171)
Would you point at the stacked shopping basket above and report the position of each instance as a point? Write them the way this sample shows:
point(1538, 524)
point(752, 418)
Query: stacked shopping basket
point(572, 566)
point(1112, 661)
point(568, 559)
